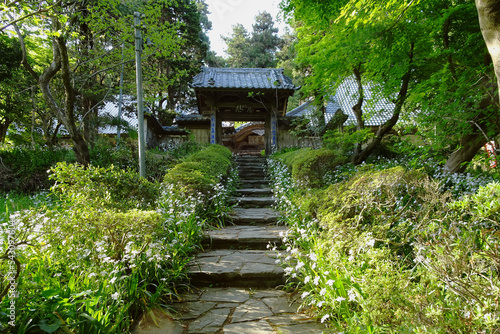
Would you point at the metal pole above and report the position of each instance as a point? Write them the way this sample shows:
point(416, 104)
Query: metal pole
point(140, 102)
point(120, 101)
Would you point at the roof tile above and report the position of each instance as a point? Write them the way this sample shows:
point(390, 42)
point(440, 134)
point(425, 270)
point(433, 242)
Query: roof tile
point(243, 78)
point(375, 110)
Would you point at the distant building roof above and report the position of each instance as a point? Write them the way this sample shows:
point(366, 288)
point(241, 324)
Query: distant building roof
point(303, 109)
point(246, 125)
point(376, 111)
point(243, 78)
point(173, 130)
point(110, 109)
point(189, 119)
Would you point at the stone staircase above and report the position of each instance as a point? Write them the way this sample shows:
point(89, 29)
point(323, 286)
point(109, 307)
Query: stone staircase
point(237, 278)
point(238, 255)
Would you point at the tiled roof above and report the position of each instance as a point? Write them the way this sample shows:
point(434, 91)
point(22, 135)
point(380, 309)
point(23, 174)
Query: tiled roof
point(174, 129)
point(242, 78)
point(110, 109)
point(303, 109)
point(376, 111)
point(191, 118)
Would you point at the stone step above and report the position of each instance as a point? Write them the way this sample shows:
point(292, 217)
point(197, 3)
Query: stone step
point(250, 158)
point(252, 164)
point(257, 202)
point(244, 237)
point(262, 171)
point(258, 216)
point(250, 183)
point(255, 163)
point(253, 169)
point(252, 175)
point(254, 192)
point(253, 181)
point(236, 268)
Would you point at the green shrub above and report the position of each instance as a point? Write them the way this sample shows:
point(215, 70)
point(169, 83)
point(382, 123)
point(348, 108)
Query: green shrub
point(25, 168)
point(103, 187)
point(97, 262)
point(201, 171)
point(344, 142)
point(184, 149)
point(104, 153)
point(97, 269)
point(391, 203)
point(459, 254)
point(386, 251)
point(309, 166)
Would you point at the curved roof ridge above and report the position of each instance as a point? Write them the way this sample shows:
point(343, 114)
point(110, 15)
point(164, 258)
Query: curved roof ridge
point(243, 78)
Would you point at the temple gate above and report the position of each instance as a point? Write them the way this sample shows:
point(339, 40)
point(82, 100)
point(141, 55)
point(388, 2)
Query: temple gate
point(243, 94)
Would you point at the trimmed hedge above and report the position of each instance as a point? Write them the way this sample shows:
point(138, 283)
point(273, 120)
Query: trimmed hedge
point(309, 165)
point(201, 171)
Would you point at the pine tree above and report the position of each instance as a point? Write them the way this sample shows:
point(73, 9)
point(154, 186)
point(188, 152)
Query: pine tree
point(264, 42)
point(256, 50)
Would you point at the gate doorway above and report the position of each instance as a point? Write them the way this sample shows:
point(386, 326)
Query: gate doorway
point(256, 95)
point(248, 138)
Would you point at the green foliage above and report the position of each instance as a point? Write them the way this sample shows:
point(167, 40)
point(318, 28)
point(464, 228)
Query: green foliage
point(308, 166)
point(200, 171)
point(386, 251)
point(184, 149)
point(125, 156)
point(434, 46)
point(86, 48)
point(10, 56)
point(390, 203)
point(483, 205)
point(257, 50)
point(112, 248)
point(110, 188)
point(94, 270)
point(190, 45)
point(344, 142)
point(25, 168)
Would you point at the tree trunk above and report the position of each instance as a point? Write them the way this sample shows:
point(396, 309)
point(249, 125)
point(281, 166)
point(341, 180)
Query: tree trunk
point(60, 64)
point(3, 130)
point(389, 124)
point(458, 160)
point(81, 149)
point(489, 21)
point(358, 112)
point(90, 120)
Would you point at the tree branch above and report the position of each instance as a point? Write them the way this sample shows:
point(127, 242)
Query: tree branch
point(399, 18)
point(25, 62)
point(39, 11)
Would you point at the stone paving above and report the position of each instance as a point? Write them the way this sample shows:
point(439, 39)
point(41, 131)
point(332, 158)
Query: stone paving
point(237, 279)
point(234, 311)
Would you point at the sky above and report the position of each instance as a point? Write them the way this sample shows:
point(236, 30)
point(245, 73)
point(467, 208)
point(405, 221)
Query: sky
point(224, 14)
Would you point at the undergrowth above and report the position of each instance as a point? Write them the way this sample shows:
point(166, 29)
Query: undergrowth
point(108, 247)
point(391, 249)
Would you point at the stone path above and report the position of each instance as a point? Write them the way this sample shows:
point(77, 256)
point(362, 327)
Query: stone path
point(237, 279)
